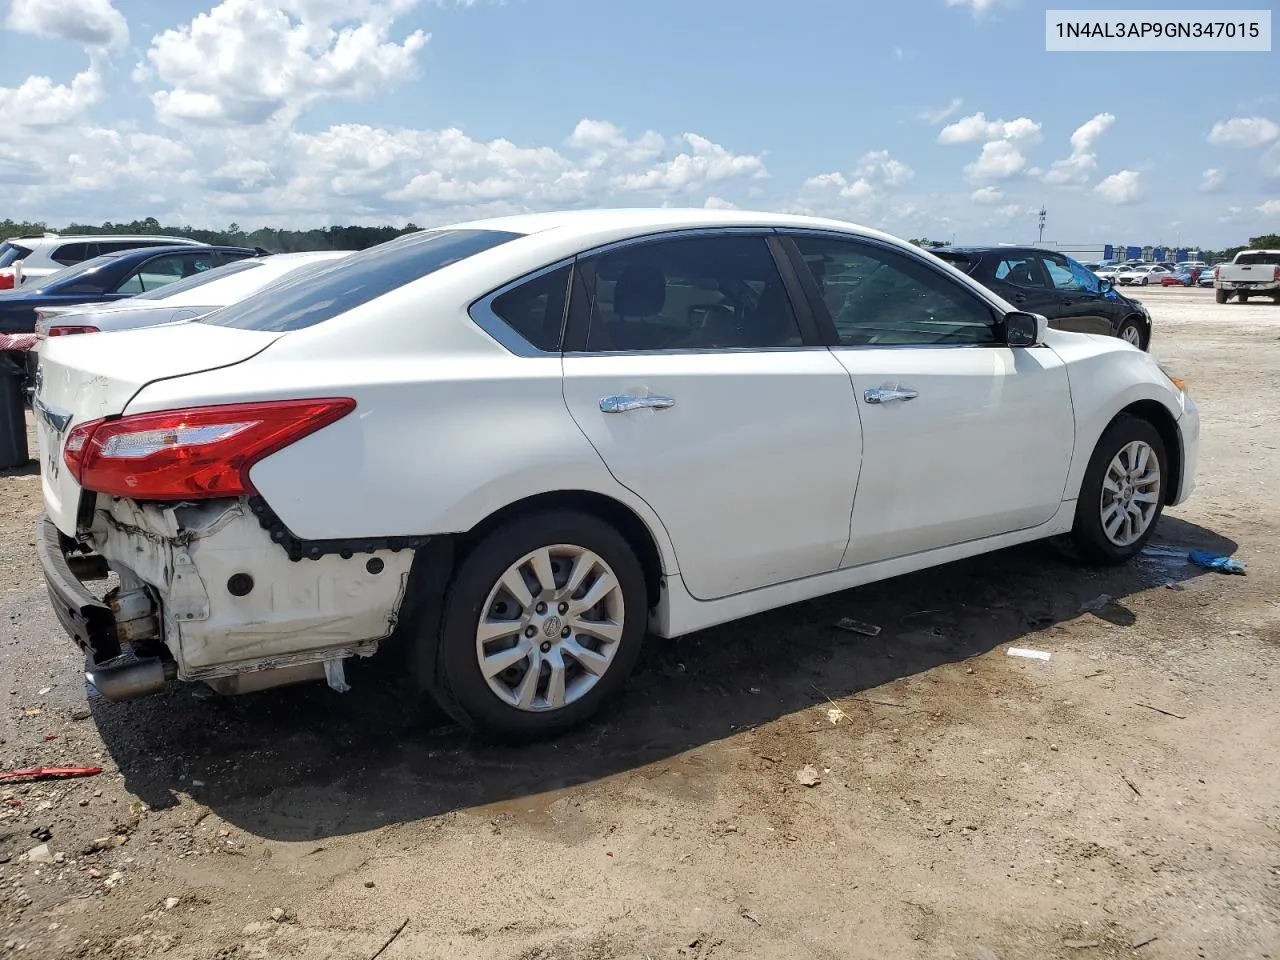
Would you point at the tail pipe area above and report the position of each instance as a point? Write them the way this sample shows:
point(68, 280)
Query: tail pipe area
point(132, 680)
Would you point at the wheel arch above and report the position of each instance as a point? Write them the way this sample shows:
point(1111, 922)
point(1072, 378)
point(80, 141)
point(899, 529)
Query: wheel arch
point(1158, 415)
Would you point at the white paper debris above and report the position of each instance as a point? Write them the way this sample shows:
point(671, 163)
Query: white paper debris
point(1030, 654)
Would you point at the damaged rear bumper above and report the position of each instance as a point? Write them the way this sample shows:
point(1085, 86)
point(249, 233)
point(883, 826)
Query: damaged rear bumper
point(207, 588)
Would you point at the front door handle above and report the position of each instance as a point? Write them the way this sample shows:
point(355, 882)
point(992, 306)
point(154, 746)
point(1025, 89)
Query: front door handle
point(888, 394)
point(622, 403)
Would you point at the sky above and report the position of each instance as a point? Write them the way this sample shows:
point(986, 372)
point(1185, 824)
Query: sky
point(938, 118)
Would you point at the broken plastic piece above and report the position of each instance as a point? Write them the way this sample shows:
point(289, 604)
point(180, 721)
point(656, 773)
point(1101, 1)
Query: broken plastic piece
point(48, 773)
point(336, 676)
point(1213, 561)
point(857, 626)
point(1030, 654)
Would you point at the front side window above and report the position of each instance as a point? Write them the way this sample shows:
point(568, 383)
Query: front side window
point(696, 293)
point(879, 297)
point(353, 281)
point(1066, 274)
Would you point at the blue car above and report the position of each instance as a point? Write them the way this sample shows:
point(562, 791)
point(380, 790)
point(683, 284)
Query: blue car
point(112, 276)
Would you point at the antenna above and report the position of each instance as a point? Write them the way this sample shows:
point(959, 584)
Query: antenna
point(1041, 217)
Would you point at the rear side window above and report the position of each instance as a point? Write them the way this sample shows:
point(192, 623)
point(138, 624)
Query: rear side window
point(355, 280)
point(535, 310)
point(69, 254)
point(11, 252)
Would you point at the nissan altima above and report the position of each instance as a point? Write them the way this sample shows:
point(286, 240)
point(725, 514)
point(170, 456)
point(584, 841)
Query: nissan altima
point(509, 449)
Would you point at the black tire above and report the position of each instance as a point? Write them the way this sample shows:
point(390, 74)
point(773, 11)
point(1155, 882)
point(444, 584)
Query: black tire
point(1132, 323)
point(1242, 297)
point(460, 687)
point(1088, 537)
point(1220, 295)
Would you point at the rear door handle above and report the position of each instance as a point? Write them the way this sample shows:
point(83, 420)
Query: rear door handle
point(888, 394)
point(622, 403)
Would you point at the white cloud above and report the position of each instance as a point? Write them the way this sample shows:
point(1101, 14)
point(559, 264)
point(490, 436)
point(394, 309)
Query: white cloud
point(1120, 188)
point(606, 141)
point(39, 102)
point(90, 23)
point(718, 203)
point(986, 195)
point(1212, 179)
point(1269, 165)
point(939, 114)
point(1246, 132)
point(1009, 211)
point(977, 127)
point(1078, 167)
point(878, 164)
point(253, 61)
point(999, 160)
point(1270, 208)
point(979, 6)
point(705, 162)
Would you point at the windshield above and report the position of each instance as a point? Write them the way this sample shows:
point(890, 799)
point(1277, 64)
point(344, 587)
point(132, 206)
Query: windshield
point(352, 281)
point(11, 252)
point(197, 280)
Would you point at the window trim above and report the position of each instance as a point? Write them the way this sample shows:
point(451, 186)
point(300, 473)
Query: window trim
point(826, 323)
point(578, 322)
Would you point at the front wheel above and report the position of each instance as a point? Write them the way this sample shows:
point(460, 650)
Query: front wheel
point(1131, 332)
point(542, 624)
point(1122, 495)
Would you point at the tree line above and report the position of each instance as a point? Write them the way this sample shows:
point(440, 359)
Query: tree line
point(268, 238)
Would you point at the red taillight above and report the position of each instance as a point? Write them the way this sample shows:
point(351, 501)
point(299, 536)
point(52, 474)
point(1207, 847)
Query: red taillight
point(7, 280)
point(1277, 274)
point(68, 330)
point(191, 454)
point(1215, 272)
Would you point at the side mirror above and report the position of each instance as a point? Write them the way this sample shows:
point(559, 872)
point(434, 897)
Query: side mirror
point(1106, 285)
point(1024, 329)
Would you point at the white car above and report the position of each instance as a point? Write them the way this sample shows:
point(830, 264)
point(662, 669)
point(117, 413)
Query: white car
point(1109, 272)
point(184, 299)
point(23, 259)
point(511, 447)
point(1142, 275)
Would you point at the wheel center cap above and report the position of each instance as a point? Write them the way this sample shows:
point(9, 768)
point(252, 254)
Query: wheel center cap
point(551, 627)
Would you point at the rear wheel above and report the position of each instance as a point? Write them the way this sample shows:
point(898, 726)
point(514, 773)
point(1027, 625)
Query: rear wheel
point(1220, 295)
point(542, 624)
point(1122, 495)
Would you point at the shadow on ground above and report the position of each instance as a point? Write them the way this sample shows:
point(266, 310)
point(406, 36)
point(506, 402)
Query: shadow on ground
point(304, 763)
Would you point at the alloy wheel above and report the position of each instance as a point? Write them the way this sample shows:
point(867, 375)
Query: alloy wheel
point(550, 628)
point(1130, 493)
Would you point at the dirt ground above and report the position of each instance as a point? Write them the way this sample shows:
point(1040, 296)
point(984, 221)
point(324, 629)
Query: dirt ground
point(1121, 799)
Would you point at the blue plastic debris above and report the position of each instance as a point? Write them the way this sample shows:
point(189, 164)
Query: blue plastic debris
point(1212, 561)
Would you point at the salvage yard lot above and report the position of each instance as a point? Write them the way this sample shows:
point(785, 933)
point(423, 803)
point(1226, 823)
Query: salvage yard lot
point(1117, 800)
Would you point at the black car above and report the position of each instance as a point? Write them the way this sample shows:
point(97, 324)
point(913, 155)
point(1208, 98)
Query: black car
point(1071, 296)
point(112, 276)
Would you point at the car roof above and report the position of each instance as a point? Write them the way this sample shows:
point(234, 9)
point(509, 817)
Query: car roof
point(638, 221)
point(977, 249)
point(305, 255)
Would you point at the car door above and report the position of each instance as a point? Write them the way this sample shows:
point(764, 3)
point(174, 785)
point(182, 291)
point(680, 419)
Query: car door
point(705, 392)
point(963, 436)
point(1081, 306)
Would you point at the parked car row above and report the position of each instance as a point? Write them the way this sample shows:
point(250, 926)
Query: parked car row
point(506, 450)
point(23, 259)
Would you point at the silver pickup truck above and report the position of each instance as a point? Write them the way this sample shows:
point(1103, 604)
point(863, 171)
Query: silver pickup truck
point(1252, 273)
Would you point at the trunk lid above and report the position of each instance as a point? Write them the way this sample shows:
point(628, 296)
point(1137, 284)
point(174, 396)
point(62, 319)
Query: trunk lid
point(86, 378)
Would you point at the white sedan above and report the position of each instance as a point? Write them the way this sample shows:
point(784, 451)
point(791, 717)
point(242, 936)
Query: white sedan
point(510, 448)
point(1142, 275)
